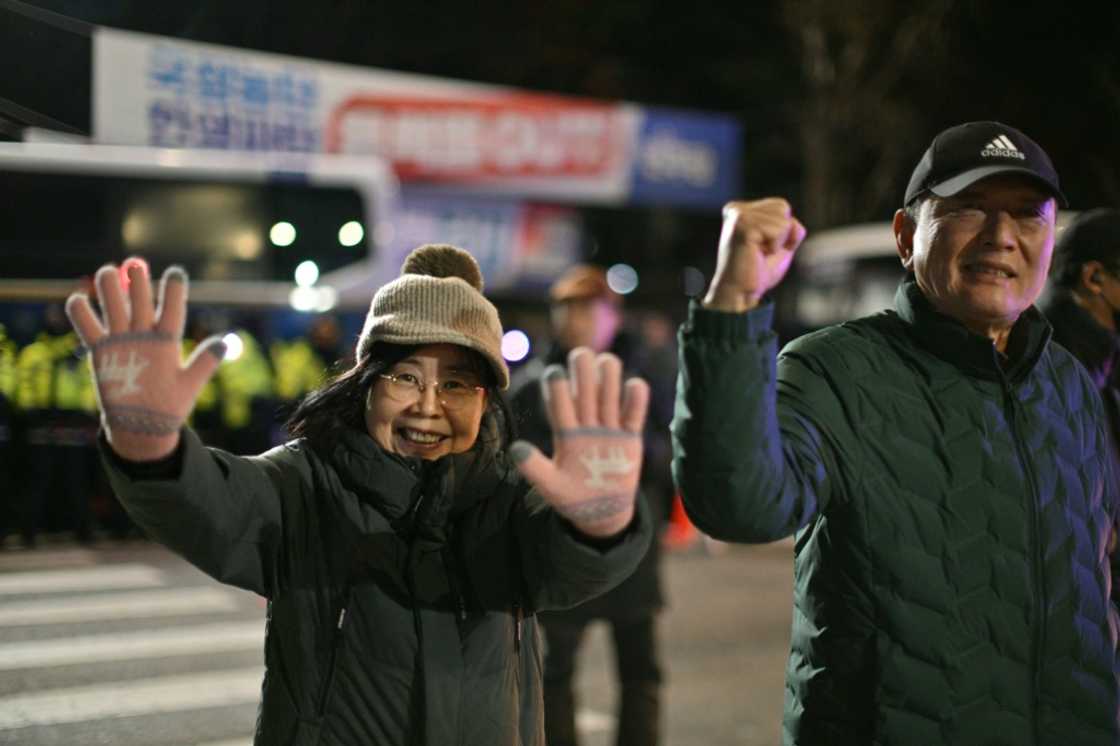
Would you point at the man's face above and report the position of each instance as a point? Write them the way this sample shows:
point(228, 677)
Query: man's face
point(586, 322)
point(982, 255)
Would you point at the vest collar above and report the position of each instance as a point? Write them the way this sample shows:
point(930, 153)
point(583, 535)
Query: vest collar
point(972, 353)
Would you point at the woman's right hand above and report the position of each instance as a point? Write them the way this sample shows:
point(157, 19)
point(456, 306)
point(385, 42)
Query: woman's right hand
point(144, 389)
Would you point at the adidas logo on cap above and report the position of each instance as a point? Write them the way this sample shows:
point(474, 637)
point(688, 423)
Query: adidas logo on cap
point(962, 155)
point(1001, 147)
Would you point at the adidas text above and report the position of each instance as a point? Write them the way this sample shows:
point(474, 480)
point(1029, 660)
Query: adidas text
point(1002, 153)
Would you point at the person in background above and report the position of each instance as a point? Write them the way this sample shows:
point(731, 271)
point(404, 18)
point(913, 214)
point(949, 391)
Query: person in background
point(945, 469)
point(236, 409)
point(1083, 307)
point(657, 351)
point(8, 354)
point(205, 418)
point(245, 393)
point(585, 312)
point(300, 365)
point(56, 404)
point(403, 543)
point(325, 336)
point(1084, 303)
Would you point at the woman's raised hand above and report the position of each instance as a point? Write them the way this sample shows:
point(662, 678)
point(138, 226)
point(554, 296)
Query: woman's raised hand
point(144, 388)
point(592, 478)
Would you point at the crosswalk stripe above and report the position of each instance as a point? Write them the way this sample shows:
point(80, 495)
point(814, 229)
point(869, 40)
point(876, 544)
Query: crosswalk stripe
point(127, 699)
point(130, 605)
point(590, 721)
point(85, 579)
point(45, 559)
point(199, 639)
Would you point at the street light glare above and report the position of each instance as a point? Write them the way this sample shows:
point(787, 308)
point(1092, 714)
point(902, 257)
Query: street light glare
point(622, 278)
point(515, 345)
point(307, 273)
point(282, 234)
point(234, 346)
point(351, 233)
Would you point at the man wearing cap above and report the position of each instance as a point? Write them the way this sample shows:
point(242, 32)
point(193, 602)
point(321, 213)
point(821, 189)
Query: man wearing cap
point(586, 312)
point(943, 466)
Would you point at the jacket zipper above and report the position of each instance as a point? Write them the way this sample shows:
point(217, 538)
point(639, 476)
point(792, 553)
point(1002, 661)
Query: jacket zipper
point(418, 714)
point(416, 509)
point(336, 643)
point(518, 616)
point(1038, 631)
point(454, 585)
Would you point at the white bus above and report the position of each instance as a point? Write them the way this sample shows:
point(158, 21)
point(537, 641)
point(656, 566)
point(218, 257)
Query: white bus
point(240, 223)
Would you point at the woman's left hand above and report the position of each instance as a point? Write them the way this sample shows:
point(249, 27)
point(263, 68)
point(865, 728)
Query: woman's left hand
point(592, 478)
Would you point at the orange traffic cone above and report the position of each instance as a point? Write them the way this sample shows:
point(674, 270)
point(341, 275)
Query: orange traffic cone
point(679, 532)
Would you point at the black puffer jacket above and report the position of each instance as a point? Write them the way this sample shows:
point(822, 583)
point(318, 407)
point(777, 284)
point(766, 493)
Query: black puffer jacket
point(1096, 347)
point(401, 593)
point(952, 511)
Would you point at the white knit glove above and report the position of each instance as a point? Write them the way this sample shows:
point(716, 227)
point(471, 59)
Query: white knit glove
point(145, 390)
point(592, 478)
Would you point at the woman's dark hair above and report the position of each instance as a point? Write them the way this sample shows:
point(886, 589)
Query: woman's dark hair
point(342, 400)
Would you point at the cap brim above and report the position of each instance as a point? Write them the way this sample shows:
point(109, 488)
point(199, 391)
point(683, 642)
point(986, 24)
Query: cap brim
point(952, 186)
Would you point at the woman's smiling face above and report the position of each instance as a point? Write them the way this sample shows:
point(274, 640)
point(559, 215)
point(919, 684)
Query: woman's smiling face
point(404, 420)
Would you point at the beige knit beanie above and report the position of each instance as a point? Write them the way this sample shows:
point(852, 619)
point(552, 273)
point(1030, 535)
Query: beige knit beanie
point(437, 298)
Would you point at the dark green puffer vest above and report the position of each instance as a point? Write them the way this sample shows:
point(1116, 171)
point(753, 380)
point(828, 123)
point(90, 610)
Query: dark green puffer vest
point(952, 513)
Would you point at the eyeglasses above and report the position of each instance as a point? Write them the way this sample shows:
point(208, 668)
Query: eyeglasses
point(453, 393)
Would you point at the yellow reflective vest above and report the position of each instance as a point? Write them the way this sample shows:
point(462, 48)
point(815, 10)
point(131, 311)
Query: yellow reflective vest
point(298, 369)
point(8, 355)
point(51, 375)
point(237, 383)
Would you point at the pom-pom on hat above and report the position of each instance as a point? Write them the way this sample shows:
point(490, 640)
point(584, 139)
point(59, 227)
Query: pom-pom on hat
point(437, 298)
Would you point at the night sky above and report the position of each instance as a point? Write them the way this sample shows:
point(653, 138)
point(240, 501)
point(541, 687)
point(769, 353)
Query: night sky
point(838, 99)
point(861, 85)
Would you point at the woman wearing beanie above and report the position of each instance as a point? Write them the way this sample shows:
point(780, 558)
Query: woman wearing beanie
point(403, 544)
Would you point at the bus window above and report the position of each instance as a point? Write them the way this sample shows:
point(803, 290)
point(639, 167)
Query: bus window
point(227, 218)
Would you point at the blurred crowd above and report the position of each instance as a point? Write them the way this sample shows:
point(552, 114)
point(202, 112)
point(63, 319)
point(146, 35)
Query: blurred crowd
point(50, 474)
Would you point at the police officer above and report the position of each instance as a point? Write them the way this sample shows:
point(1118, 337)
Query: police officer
point(8, 353)
point(587, 313)
point(55, 399)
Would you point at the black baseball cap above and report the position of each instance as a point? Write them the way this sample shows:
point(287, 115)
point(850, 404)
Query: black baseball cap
point(960, 156)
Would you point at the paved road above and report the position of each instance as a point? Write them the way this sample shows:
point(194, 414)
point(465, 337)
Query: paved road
point(128, 645)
